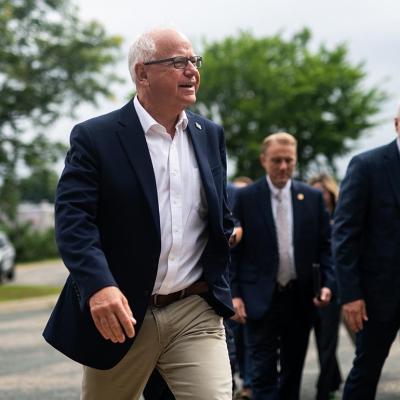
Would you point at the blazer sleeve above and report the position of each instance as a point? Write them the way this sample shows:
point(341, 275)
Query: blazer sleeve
point(349, 223)
point(76, 211)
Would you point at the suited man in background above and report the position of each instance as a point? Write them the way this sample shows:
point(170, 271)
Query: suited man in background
point(366, 246)
point(154, 297)
point(285, 230)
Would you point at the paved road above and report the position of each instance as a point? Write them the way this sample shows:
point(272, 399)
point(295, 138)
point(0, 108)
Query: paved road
point(32, 370)
point(48, 273)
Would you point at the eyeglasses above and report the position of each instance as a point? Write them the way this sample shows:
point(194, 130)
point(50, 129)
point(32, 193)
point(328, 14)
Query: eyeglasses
point(179, 62)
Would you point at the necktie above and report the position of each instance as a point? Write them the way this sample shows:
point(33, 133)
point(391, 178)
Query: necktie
point(282, 230)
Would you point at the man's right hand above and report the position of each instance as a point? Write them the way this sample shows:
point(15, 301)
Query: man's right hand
point(240, 310)
point(355, 313)
point(112, 315)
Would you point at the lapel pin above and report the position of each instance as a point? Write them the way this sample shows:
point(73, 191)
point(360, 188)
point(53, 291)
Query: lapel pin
point(198, 126)
point(300, 196)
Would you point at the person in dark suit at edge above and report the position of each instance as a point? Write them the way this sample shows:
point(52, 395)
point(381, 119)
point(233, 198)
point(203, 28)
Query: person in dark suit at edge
point(285, 230)
point(366, 249)
point(238, 351)
point(140, 299)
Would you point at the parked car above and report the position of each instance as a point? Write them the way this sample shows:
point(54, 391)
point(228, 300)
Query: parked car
point(7, 258)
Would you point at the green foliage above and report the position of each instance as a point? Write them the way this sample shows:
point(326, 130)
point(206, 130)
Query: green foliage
point(49, 57)
point(50, 61)
point(40, 185)
point(258, 86)
point(32, 245)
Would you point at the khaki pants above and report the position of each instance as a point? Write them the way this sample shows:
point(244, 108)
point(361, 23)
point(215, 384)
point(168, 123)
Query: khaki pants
point(185, 341)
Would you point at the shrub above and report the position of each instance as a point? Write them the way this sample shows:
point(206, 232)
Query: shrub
point(32, 245)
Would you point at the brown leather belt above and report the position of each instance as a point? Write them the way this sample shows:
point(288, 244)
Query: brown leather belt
point(162, 300)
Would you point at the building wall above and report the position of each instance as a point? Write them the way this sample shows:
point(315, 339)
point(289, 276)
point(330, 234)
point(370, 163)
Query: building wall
point(41, 215)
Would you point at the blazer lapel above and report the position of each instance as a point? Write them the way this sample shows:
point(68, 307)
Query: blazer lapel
point(265, 207)
point(392, 163)
point(133, 142)
point(297, 203)
point(197, 133)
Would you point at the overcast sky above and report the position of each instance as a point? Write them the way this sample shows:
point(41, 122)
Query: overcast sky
point(370, 28)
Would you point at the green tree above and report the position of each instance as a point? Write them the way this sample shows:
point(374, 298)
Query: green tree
point(257, 86)
point(40, 184)
point(50, 61)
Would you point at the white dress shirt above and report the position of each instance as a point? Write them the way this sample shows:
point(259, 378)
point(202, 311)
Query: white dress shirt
point(181, 201)
point(286, 196)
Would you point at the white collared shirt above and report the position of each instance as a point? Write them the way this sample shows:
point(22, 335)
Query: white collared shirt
point(181, 201)
point(398, 143)
point(286, 197)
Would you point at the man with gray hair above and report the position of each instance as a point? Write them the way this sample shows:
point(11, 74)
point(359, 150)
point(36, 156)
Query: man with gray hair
point(366, 249)
point(143, 227)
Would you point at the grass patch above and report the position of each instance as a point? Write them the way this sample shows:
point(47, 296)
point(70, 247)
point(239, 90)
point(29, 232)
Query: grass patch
point(19, 292)
point(49, 261)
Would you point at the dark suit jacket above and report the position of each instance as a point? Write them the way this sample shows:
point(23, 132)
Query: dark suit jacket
point(256, 258)
point(366, 233)
point(108, 228)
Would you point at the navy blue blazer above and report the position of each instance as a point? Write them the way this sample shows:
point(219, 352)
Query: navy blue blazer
point(108, 227)
point(366, 232)
point(256, 258)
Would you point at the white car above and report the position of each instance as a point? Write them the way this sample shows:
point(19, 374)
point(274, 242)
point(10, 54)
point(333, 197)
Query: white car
point(7, 258)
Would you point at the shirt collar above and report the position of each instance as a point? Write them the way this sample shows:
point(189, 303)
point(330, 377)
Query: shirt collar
point(147, 121)
point(398, 143)
point(275, 191)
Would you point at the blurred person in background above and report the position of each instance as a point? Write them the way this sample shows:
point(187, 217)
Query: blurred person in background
point(239, 354)
point(326, 326)
point(231, 189)
point(285, 230)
